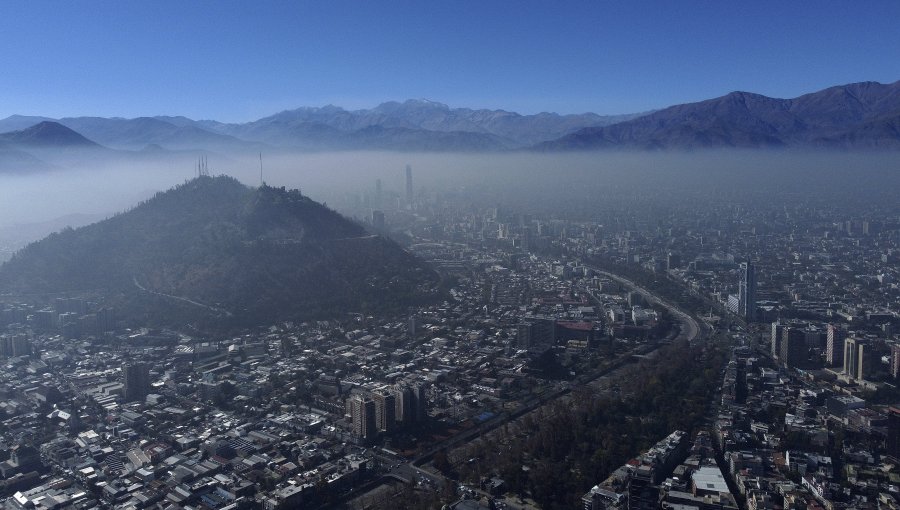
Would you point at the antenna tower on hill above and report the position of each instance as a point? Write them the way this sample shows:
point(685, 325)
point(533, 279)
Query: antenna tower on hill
point(202, 167)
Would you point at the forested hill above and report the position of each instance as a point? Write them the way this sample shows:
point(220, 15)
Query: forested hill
point(213, 247)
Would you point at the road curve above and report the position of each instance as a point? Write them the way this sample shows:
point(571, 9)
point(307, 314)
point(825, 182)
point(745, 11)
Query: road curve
point(691, 330)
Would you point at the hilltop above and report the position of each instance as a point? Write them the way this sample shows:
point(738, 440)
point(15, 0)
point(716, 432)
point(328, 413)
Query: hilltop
point(213, 249)
point(47, 134)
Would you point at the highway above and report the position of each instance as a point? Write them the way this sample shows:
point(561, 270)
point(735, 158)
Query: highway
point(690, 328)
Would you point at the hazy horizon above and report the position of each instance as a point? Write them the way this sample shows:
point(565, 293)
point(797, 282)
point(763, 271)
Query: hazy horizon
point(324, 176)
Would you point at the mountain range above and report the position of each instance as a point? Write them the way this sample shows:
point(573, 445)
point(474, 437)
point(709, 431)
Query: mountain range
point(216, 251)
point(411, 125)
point(860, 116)
point(856, 116)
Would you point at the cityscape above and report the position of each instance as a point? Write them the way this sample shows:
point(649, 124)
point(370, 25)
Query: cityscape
point(356, 411)
point(449, 255)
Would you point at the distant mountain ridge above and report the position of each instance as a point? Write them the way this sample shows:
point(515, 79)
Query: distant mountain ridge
point(862, 115)
point(413, 125)
point(508, 129)
point(47, 134)
point(859, 115)
point(23, 151)
point(214, 249)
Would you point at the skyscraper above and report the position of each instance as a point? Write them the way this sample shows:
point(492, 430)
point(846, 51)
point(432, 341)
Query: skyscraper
point(409, 185)
point(377, 192)
point(834, 345)
point(857, 358)
point(893, 439)
point(362, 415)
point(421, 402)
point(137, 381)
point(793, 348)
point(385, 411)
point(777, 332)
point(410, 403)
point(747, 292)
point(895, 361)
point(403, 405)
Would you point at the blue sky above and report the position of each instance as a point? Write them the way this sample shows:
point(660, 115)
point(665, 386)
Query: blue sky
point(238, 61)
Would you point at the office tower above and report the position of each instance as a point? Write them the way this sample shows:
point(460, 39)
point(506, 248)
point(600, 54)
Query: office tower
point(409, 184)
point(362, 414)
point(815, 338)
point(747, 292)
point(834, 345)
point(403, 406)
point(895, 361)
point(385, 411)
point(137, 381)
point(893, 435)
point(421, 402)
point(857, 358)
point(850, 358)
point(777, 331)
point(377, 192)
point(793, 348)
point(410, 403)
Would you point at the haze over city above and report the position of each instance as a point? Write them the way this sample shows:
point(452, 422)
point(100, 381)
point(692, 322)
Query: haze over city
point(460, 255)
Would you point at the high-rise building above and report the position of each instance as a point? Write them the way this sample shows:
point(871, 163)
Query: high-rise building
point(378, 192)
point(409, 184)
point(747, 292)
point(362, 415)
point(385, 411)
point(421, 402)
point(893, 436)
point(137, 381)
point(895, 361)
point(850, 356)
point(777, 332)
point(834, 345)
point(793, 348)
point(536, 334)
point(673, 260)
point(15, 345)
point(413, 327)
point(45, 319)
point(403, 406)
point(642, 494)
point(410, 403)
point(857, 358)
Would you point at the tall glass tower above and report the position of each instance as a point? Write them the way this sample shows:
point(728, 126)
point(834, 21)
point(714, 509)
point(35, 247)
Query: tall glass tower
point(409, 186)
point(747, 292)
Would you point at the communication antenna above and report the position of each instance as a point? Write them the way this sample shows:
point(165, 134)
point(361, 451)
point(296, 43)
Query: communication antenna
point(202, 167)
point(261, 182)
